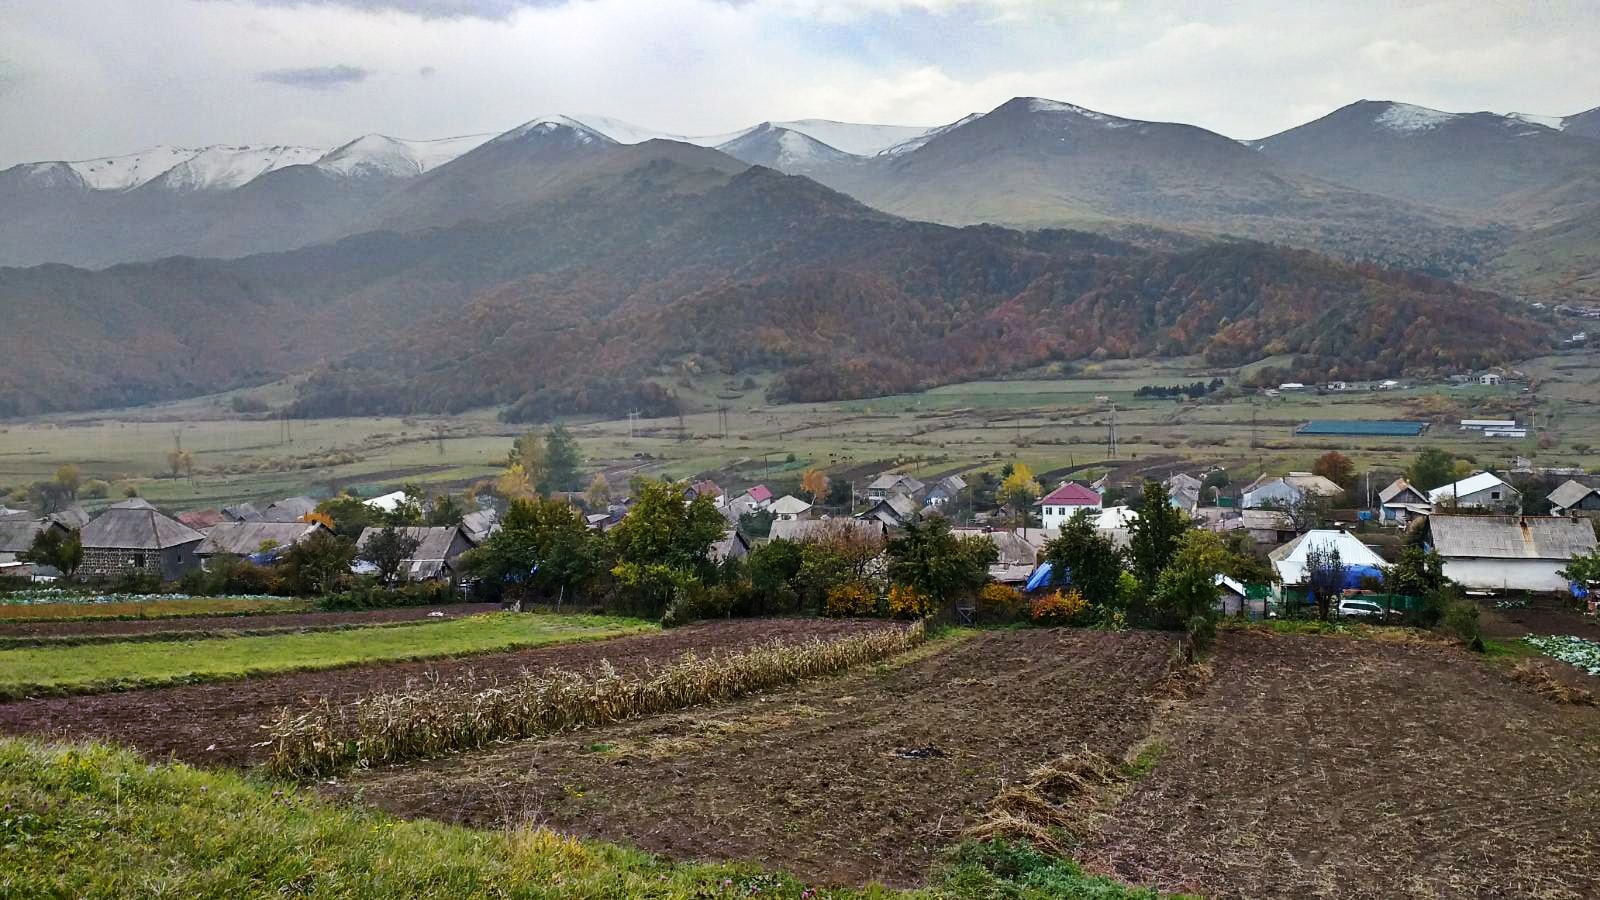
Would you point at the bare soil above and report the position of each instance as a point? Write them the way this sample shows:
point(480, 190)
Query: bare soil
point(866, 776)
point(223, 722)
point(1335, 767)
point(226, 626)
point(1543, 616)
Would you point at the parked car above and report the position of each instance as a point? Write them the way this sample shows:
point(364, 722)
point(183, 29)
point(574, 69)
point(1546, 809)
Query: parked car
point(1356, 606)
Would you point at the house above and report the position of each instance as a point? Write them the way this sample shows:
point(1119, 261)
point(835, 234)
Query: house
point(789, 507)
point(703, 488)
point(734, 508)
point(1516, 553)
point(894, 511)
point(437, 552)
point(481, 523)
point(202, 520)
point(1388, 384)
point(1290, 560)
point(1487, 424)
point(1399, 503)
point(241, 512)
point(894, 483)
point(1574, 497)
point(944, 491)
point(291, 509)
point(1064, 502)
point(1184, 491)
point(1287, 490)
point(1017, 556)
point(732, 545)
point(1289, 386)
point(17, 534)
point(262, 541)
point(1484, 490)
point(1491, 378)
point(388, 502)
point(72, 517)
point(132, 536)
point(804, 530)
point(1116, 523)
point(761, 495)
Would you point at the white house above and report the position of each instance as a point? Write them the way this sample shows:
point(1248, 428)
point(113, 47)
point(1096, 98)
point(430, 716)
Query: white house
point(1287, 489)
point(1518, 553)
point(1491, 378)
point(789, 507)
point(1065, 501)
point(1290, 559)
point(1484, 490)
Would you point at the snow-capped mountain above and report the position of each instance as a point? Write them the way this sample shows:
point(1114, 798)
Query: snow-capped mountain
point(780, 148)
point(378, 155)
point(851, 138)
point(224, 168)
point(916, 141)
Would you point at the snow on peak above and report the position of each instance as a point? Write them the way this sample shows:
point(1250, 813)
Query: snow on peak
point(1041, 105)
point(853, 138)
point(1406, 118)
point(916, 143)
point(384, 156)
point(227, 167)
point(578, 132)
point(1556, 123)
point(124, 173)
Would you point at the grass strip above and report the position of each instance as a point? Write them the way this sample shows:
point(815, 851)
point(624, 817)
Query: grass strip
point(179, 633)
point(129, 664)
point(92, 821)
point(446, 717)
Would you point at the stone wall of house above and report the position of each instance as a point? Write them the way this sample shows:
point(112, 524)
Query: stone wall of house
point(109, 561)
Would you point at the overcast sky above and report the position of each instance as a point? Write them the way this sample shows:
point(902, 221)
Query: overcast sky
point(85, 78)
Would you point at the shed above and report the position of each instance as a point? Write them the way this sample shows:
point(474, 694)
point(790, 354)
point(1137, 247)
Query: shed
point(1518, 553)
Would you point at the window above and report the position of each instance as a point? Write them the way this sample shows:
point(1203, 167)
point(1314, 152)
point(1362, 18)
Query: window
point(1494, 495)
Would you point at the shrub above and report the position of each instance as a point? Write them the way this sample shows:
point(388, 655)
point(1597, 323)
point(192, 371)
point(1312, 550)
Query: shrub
point(906, 602)
point(1058, 607)
point(1461, 619)
point(851, 600)
point(1000, 603)
point(94, 488)
point(427, 593)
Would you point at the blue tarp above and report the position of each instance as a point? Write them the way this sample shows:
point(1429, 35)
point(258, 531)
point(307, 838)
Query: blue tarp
point(1354, 574)
point(1578, 591)
point(1042, 577)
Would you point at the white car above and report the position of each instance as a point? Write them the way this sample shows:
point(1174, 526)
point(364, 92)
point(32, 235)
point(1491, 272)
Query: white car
point(1355, 606)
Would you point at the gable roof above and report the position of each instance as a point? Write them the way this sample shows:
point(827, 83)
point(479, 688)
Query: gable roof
point(1398, 488)
point(802, 530)
point(890, 481)
point(1570, 493)
point(790, 505)
point(1014, 549)
point(1512, 537)
point(17, 533)
point(242, 512)
point(246, 538)
point(1290, 559)
point(201, 518)
point(133, 528)
point(760, 493)
point(435, 540)
point(706, 488)
point(1070, 494)
point(1470, 485)
point(290, 509)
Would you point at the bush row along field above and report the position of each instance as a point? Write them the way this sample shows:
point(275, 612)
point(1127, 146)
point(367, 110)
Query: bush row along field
point(82, 611)
point(91, 668)
point(1049, 423)
point(95, 822)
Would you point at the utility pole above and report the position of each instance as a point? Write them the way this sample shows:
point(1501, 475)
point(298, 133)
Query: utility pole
point(632, 417)
point(1111, 442)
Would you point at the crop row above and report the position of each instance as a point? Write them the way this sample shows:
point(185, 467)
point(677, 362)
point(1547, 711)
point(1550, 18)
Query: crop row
point(1577, 651)
point(445, 717)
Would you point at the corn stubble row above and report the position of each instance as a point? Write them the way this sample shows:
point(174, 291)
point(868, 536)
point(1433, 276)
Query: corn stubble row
point(466, 715)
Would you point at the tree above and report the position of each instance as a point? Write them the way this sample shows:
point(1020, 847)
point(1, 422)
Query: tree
point(774, 570)
point(1417, 572)
point(68, 478)
point(929, 558)
point(542, 543)
point(561, 460)
point(53, 547)
point(598, 494)
point(445, 511)
point(387, 551)
point(1018, 490)
point(349, 514)
point(1432, 468)
point(1336, 467)
point(1185, 593)
point(1324, 577)
point(179, 462)
point(663, 544)
point(1583, 569)
point(815, 483)
point(1087, 559)
point(526, 469)
point(315, 565)
point(1305, 512)
point(1153, 536)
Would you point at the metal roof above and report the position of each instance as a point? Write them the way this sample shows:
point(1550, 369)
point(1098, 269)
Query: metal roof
point(803, 530)
point(1512, 537)
point(1482, 481)
point(435, 541)
point(1396, 488)
point(1569, 494)
point(245, 538)
point(1070, 494)
point(1364, 427)
point(789, 505)
point(130, 528)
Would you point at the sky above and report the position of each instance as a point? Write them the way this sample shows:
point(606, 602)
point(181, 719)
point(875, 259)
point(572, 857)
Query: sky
point(87, 78)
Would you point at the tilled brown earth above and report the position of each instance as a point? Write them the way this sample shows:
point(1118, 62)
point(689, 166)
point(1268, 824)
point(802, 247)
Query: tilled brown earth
point(223, 722)
point(841, 780)
point(1332, 767)
point(188, 628)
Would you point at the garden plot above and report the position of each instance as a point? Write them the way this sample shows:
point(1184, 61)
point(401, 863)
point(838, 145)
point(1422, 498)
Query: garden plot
point(46, 631)
point(1332, 767)
point(224, 722)
point(843, 780)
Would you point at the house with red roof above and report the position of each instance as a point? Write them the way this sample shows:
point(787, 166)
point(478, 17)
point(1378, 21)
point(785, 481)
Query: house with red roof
point(761, 494)
point(1065, 501)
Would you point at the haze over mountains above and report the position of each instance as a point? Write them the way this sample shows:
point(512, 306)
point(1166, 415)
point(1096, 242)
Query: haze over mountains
point(565, 261)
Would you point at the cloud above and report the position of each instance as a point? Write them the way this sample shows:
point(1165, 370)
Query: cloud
point(428, 71)
point(316, 78)
point(428, 9)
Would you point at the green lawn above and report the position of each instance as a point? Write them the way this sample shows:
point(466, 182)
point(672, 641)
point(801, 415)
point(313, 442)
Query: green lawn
point(91, 821)
point(102, 667)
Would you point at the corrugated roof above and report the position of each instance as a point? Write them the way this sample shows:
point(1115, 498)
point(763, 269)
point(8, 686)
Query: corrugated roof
point(1395, 489)
point(1569, 494)
point(1470, 485)
point(435, 541)
point(17, 534)
point(291, 509)
point(1071, 494)
point(1364, 427)
point(130, 528)
point(802, 530)
point(245, 538)
point(789, 505)
point(1511, 537)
